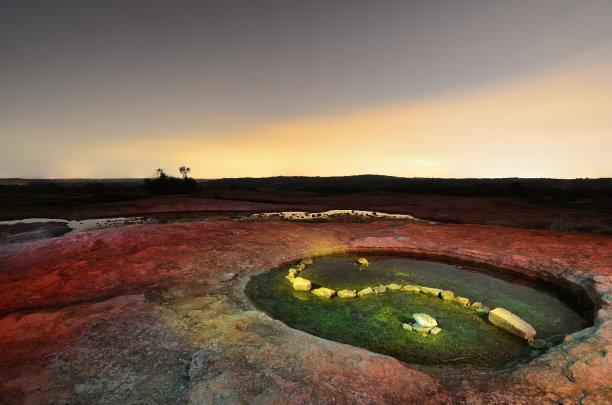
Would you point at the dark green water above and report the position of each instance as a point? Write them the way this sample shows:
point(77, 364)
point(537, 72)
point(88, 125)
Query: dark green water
point(374, 322)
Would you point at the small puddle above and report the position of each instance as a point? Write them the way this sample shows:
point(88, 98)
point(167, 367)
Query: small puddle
point(303, 215)
point(374, 321)
point(83, 225)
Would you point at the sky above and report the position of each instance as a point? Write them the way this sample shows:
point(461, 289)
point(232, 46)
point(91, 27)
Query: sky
point(471, 88)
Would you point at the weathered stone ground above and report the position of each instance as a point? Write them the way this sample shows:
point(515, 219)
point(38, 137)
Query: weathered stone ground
point(157, 314)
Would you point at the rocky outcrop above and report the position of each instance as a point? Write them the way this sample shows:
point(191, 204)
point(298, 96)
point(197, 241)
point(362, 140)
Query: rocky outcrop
point(108, 316)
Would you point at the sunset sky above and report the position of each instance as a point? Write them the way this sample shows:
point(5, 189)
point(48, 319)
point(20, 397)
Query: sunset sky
point(470, 88)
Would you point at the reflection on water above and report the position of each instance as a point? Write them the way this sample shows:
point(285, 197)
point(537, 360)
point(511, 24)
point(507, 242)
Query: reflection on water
point(83, 225)
point(375, 321)
point(331, 213)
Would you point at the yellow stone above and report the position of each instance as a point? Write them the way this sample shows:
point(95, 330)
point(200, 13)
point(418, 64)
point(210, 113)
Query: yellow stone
point(324, 292)
point(447, 295)
point(306, 261)
point(425, 320)
point(462, 301)
point(380, 289)
point(347, 294)
point(431, 291)
point(365, 291)
point(301, 284)
point(502, 318)
point(411, 288)
point(394, 286)
point(420, 328)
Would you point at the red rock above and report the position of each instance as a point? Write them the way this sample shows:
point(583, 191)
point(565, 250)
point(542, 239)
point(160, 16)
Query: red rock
point(46, 280)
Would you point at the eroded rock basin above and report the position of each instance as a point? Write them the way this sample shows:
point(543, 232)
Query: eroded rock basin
point(158, 314)
point(374, 321)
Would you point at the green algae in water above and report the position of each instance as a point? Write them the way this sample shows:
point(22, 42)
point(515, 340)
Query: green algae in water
point(374, 322)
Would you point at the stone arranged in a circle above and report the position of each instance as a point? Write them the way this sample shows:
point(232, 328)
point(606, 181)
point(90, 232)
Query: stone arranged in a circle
point(447, 295)
point(431, 291)
point(324, 292)
point(347, 293)
point(365, 291)
point(301, 284)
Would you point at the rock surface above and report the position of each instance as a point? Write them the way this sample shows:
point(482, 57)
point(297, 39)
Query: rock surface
point(157, 314)
point(324, 292)
point(380, 289)
point(347, 294)
point(447, 295)
point(425, 320)
point(301, 284)
point(510, 322)
point(431, 291)
point(462, 301)
point(365, 291)
point(411, 288)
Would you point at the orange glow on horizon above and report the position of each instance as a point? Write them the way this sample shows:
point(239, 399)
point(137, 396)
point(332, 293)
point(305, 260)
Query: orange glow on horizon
point(556, 125)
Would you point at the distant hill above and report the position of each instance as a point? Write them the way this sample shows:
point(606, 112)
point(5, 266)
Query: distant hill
point(544, 188)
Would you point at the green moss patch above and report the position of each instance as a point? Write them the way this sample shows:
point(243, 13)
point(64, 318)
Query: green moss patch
point(374, 321)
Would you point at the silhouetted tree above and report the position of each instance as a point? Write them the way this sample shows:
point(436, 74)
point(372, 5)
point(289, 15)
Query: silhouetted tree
point(161, 174)
point(165, 184)
point(184, 171)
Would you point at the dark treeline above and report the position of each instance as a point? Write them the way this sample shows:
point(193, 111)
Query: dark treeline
point(125, 189)
point(162, 183)
point(512, 187)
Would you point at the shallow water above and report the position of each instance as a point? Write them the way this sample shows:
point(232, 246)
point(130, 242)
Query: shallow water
point(375, 321)
point(83, 225)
